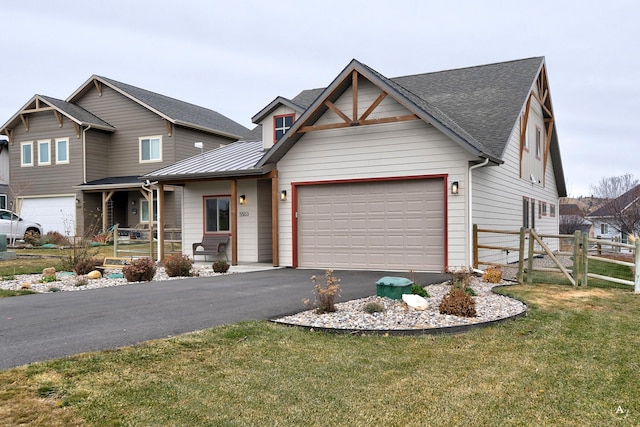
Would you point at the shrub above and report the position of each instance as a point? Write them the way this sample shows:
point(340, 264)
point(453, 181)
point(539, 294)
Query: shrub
point(492, 274)
point(373, 307)
point(419, 290)
point(461, 279)
point(86, 265)
point(81, 281)
point(220, 266)
point(140, 270)
point(55, 238)
point(48, 279)
point(32, 238)
point(326, 292)
point(458, 303)
point(178, 265)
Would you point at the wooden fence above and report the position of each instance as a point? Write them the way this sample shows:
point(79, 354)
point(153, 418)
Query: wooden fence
point(138, 242)
point(568, 255)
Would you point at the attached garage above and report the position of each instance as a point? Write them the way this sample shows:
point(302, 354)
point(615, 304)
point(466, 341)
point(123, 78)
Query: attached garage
point(372, 225)
point(53, 213)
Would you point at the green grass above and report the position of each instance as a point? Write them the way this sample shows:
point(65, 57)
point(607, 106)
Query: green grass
point(572, 361)
point(7, 293)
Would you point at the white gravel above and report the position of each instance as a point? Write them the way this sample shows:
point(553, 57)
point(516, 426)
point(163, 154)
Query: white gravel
point(70, 282)
point(397, 315)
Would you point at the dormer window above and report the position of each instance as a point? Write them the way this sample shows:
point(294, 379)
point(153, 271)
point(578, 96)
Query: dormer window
point(281, 124)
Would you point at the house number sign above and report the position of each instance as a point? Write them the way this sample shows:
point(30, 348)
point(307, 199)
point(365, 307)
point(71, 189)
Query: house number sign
point(244, 213)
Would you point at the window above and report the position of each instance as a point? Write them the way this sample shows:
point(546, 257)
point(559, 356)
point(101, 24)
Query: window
point(216, 214)
point(533, 213)
point(62, 150)
point(525, 212)
point(604, 228)
point(3, 201)
point(552, 210)
point(543, 208)
point(526, 138)
point(538, 143)
point(281, 124)
point(44, 153)
point(150, 149)
point(26, 154)
point(144, 210)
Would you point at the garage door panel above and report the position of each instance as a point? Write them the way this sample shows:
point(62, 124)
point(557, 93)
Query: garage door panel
point(53, 213)
point(376, 225)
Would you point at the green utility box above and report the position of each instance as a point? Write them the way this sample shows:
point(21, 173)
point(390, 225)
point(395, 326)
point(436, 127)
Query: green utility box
point(393, 287)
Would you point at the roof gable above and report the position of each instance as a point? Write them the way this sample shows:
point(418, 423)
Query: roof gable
point(476, 107)
point(266, 111)
point(173, 110)
point(59, 109)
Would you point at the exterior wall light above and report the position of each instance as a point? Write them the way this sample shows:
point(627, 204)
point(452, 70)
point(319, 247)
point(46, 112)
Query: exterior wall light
point(283, 195)
point(454, 187)
point(242, 200)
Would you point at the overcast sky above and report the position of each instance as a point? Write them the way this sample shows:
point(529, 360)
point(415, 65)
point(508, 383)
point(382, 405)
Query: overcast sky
point(237, 56)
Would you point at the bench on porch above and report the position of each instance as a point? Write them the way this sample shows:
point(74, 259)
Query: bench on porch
point(212, 244)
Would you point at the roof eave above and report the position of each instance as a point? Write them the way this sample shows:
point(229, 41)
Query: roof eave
point(257, 171)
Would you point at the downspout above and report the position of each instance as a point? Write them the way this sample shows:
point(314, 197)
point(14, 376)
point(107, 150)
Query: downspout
point(470, 205)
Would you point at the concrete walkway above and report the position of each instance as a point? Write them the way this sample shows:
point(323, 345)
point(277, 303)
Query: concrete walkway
point(46, 326)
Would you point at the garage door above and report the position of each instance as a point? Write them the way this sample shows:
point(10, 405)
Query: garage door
point(382, 225)
point(53, 213)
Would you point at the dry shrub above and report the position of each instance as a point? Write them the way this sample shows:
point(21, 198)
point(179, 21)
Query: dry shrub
point(140, 270)
point(458, 303)
point(492, 274)
point(326, 292)
point(178, 265)
point(86, 266)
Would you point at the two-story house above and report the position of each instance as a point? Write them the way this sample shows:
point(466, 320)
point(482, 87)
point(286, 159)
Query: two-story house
point(77, 161)
point(382, 173)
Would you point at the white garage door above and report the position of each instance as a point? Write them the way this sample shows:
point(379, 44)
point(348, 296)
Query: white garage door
point(53, 213)
point(382, 225)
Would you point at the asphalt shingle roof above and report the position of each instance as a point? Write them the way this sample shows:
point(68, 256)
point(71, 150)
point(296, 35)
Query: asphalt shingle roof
point(78, 113)
point(178, 111)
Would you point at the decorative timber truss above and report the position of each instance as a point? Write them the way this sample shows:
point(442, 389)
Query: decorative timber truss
point(352, 118)
point(541, 94)
point(37, 105)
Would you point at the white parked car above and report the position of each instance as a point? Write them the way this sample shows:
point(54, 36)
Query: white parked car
point(15, 227)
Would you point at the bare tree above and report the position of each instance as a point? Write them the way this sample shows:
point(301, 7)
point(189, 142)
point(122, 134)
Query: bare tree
point(622, 211)
point(570, 223)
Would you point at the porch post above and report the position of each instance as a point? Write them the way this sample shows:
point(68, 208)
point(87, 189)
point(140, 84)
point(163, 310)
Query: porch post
point(160, 222)
point(234, 222)
point(275, 200)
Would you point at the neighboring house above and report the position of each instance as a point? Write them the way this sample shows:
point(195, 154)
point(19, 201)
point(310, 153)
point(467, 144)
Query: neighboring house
point(5, 192)
point(618, 217)
point(382, 173)
point(75, 163)
point(572, 219)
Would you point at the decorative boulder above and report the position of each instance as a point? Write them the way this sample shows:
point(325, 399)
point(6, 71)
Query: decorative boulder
point(48, 272)
point(25, 285)
point(95, 274)
point(415, 301)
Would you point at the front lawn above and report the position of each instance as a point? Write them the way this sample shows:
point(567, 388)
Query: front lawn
point(571, 361)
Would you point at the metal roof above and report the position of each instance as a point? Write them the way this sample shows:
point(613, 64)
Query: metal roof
point(237, 158)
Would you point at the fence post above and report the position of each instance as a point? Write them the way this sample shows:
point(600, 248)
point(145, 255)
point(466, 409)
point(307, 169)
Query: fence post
point(520, 276)
point(530, 259)
point(585, 260)
point(636, 286)
point(474, 261)
point(577, 257)
point(115, 240)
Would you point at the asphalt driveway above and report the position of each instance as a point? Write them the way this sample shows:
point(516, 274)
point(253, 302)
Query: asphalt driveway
point(47, 326)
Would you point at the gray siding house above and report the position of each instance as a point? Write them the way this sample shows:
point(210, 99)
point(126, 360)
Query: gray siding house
point(382, 173)
point(75, 163)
